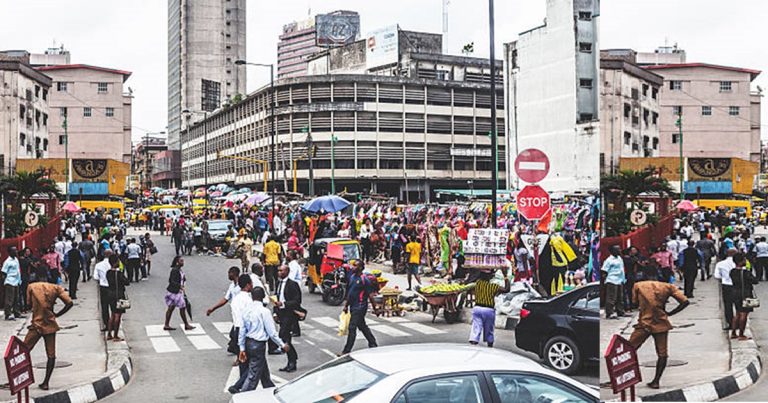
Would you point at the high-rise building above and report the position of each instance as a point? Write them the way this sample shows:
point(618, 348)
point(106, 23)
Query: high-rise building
point(551, 86)
point(205, 38)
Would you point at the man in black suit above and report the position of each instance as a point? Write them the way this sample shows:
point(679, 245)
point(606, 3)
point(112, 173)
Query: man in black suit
point(690, 263)
point(74, 265)
point(288, 308)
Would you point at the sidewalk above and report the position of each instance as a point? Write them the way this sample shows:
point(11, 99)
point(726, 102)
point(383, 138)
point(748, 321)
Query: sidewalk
point(704, 364)
point(86, 368)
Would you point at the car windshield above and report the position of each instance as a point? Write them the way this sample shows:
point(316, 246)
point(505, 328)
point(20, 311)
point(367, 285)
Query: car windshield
point(218, 226)
point(335, 381)
point(351, 252)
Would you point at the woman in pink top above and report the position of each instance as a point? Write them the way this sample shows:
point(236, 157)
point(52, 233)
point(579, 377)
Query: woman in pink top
point(51, 259)
point(665, 260)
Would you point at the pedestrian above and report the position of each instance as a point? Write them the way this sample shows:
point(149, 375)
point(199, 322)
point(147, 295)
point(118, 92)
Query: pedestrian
point(413, 251)
point(116, 282)
point(238, 307)
point(27, 265)
point(12, 273)
point(288, 305)
point(690, 262)
point(761, 262)
point(177, 237)
point(258, 327)
point(233, 275)
point(615, 278)
point(74, 266)
point(100, 275)
point(743, 282)
point(149, 249)
point(651, 296)
point(246, 251)
point(663, 258)
point(42, 296)
point(360, 292)
point(272, 258)
point(484, 311)
point(723, 273)
point(87, 247)
point(133, 262)
point(706, 246)
point(174, 295)
point(366, 230)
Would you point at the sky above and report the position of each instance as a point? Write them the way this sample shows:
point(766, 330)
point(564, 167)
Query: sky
point(132, 35)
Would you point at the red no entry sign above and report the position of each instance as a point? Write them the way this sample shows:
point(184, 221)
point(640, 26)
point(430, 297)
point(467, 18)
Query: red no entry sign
point(532, 165)
point(533, 202)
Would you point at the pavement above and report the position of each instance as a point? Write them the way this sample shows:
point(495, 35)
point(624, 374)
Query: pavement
point(87, 367)
point(194, 366)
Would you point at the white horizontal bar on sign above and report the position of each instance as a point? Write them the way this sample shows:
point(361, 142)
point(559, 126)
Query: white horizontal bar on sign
point(532, 165)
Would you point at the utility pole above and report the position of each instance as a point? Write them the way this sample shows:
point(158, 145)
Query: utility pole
point(310, 154)
point(334, 139)
point(494, 135)
point(66, 152)
point(679, 124)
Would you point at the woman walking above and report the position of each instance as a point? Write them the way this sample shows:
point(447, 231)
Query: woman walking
point(484, 311)
point(174, 296)
point(743, 281)
point(117, 283)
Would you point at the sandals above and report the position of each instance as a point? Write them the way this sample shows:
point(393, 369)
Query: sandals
point(168, 328)
point(189, 327)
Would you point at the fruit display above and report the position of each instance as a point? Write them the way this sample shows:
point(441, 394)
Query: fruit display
point(443, 289)
point(390, 291)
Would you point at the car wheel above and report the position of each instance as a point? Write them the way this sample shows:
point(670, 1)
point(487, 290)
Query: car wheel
point(562, 354)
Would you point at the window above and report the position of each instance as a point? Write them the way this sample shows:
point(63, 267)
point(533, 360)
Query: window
point(45, 144)
point(590, 302)
point(87, 112)
point(456, 388)
point(706, 111)
point(627, 138)
point(62, 140)
point(725, 86)
point(211, 94)
point(585, 83)
point(655, 143)
point(627, 110)
point(63, 112)
point(528, 388)
point(585, 16)
point(654, 93)
point(22, 138)
point(674, 138)
point(45, 94)
point(733, 110)
point(339, 379)
point(645, 90)
point(102, 88)
point(677, 110)
point(585, 47)
point(61, 87)
point(676, 85)
point(110, 112)
point(586, 117)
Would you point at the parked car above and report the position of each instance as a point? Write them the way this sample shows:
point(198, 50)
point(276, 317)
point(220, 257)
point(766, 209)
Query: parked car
point(427, 373)
point(217, 232)
point(564, 331)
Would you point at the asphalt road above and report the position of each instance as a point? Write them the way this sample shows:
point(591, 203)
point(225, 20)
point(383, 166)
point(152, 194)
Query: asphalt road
point(195, 367)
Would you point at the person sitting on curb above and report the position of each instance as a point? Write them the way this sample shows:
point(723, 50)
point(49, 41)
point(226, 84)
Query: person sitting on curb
point(651, 296)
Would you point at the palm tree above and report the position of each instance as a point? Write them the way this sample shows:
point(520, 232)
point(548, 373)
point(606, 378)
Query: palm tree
point(623, 189)
point(18, 190)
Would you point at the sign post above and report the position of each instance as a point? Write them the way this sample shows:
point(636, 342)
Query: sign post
point(623, 367)
point(533, 203)
point(18, 367)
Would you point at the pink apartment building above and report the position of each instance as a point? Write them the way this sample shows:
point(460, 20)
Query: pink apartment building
point(720, 112)
point(98, 112)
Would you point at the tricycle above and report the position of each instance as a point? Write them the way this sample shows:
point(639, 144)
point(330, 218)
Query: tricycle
point(328, 259)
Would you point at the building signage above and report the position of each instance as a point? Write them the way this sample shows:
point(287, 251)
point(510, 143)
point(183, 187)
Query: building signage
point(486, 241)
point(382, 47)
point(709, 169)
point(18, 366)
point(337, 29)
point(89, 170)
point(470, 152)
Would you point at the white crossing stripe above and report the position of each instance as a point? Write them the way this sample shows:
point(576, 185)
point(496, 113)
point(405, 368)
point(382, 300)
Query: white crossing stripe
point(305, 325)
point(203, 342)
point(319, 335)
point(371, 321)
point(278, 380)
point(325, 350)
point(424, 329)
point(234, 375)
point(310, 342)
point(198, 330)
point(394, 319)
point(156, 330)
point(164, 344)
point(223, 327)
point(389, 330)
point(327, 321)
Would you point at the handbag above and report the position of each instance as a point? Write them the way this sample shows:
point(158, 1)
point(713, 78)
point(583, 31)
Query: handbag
point(121, 303)
point(751, 301)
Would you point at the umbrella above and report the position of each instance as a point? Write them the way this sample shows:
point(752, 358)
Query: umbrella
point(70, 207)
point(256, 198)
point(216, 193)
point(330, 204)
point(189, 306)
point(686, 205)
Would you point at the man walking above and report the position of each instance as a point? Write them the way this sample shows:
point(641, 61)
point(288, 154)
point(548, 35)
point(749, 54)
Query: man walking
point(413, 250)
point(360, 292)
point(12, 272)
point(761, 264)
point(100, 275)
point(288, 306)
point(74, 265)
point(707, 248)
point(43, 296)
point(87, 247)
point(133, 263)
point(690, 263)
point(238, 306)
point(614, 280)
point(272, 257)
point(723, 273)
point(233, 274)
point(652, 296)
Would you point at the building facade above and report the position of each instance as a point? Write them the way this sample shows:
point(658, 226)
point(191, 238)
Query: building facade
point(629, 102)
point(97, 111)
point(24, 111)
point(205, 38)
point(397, 135)
point(720, 112)
point(144, 158)
point(551, 86)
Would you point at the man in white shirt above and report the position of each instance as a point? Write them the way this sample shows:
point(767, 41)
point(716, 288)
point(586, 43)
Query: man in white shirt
point(58, 247)
point(100, 275)
point(761, 264)
point(723, 273)
point(233, 275)
point(295, 270)
point(673, 246)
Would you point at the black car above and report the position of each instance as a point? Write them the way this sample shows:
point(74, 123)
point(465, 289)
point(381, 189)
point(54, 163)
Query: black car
point(565, 330)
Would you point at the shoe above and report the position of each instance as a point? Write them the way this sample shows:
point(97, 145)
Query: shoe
point(10, 318)
point(613, 316)
point(233, 390)
point(288, 368)
point(296, 334)
point(22, 316)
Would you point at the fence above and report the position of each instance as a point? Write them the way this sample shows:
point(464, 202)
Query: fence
point(642, 238)
point(36, 239)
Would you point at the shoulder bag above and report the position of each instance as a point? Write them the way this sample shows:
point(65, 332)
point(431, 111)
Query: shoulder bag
point(751, 301)
point(121, 303)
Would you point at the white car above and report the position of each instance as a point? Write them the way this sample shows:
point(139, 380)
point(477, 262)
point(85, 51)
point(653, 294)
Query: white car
point(428, 373)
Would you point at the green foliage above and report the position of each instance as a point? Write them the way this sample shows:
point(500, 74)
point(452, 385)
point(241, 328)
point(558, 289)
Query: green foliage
point(18, 190)
point(622, 190)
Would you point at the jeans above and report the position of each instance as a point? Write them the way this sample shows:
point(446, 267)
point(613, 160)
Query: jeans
point(86, 269)
point(613, 293)
point(256, 368)
point(357, 321)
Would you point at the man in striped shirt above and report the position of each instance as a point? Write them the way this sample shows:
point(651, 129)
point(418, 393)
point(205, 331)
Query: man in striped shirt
point(484, 311)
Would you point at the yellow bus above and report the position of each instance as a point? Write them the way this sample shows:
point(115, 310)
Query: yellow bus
point(714, 204)
point(115, 208)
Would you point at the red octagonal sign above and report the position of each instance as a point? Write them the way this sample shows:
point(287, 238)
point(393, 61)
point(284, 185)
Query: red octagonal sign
point(533, 202)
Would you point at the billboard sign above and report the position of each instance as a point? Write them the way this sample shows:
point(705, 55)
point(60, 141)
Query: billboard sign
point(382, 47)
point(89, 170)
point(337, 29)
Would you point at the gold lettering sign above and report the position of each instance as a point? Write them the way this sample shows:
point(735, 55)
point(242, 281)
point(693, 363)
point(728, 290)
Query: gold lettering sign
point(89, 170)
point(709, 169)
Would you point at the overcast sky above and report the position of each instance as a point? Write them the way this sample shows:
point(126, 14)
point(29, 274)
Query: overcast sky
point(132, 35)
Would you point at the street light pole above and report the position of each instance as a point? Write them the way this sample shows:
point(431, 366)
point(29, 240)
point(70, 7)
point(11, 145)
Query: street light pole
point(66, 153)
point(680, 140)
point(494, 135)
point(333, 163)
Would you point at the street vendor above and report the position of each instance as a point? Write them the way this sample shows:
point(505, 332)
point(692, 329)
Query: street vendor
point(484, 311)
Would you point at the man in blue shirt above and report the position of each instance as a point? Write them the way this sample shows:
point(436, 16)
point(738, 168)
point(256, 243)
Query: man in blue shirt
point(359, 293)
point(613, 269)
point(12, 282)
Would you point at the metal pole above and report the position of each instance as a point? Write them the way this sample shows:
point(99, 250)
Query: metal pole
point(189, 184)
point(272, 111)
point(205, 152)
point(310, 152)
point(494, 135)
point(680, 140)
point(333, 164)
point(66, 153)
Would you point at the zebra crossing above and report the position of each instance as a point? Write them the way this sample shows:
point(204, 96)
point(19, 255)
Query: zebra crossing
point(316, 330)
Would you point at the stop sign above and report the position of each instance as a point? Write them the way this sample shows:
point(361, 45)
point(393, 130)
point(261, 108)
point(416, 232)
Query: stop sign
point(532, 165)
point(533, 202)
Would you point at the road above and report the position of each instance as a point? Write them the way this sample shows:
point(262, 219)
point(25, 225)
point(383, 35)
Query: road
point(194, 366)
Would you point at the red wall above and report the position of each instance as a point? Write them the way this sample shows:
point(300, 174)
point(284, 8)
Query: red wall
point(642, 238)
point(38, 238)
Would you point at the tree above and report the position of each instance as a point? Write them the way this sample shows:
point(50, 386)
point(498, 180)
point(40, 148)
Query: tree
point(621, 191)
point(468, 49)
point(18, 190)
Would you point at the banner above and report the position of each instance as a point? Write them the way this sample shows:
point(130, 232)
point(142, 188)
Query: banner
point(709, 169)
point(89, 170)
point(486, 241)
